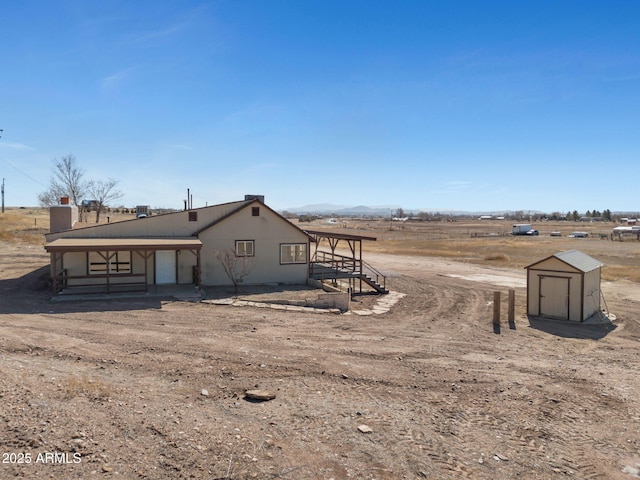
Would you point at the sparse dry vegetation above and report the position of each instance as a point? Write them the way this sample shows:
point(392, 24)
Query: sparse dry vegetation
point(497, 257)
point(480, 242)
point(24, 225)
point(92, 388)
point(154, 387)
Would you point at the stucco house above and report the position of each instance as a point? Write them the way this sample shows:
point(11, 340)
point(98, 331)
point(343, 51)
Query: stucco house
point(182, 247)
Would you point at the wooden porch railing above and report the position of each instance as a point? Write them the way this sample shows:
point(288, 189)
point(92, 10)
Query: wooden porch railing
point(339, 263)
point(123, 282)
point(325, 266)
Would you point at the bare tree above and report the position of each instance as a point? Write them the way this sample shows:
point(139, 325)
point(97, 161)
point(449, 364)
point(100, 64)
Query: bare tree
point(103, 192)
point(235, 267)
point(67, 181)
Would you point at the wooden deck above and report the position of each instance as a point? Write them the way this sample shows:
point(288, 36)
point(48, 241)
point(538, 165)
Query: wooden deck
point(326, 266)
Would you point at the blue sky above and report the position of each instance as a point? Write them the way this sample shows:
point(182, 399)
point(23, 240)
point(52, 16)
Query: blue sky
point(463, 105)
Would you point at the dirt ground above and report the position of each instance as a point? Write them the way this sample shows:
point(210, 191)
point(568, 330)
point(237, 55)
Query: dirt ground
point(155, 388)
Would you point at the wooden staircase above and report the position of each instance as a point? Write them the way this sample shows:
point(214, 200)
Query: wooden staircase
point(380, 288)
point(339, 267)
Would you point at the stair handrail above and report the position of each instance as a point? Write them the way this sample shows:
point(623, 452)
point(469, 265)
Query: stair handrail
point(370, 268)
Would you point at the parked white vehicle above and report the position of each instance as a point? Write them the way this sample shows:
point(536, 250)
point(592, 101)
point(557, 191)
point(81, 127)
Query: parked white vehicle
point(521, 229)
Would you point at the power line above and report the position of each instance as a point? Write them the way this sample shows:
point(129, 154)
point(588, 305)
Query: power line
point(18, 170)
point(23, 173)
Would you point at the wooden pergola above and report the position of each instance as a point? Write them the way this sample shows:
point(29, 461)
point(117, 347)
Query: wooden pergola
point(107, 248)
point(333, 266)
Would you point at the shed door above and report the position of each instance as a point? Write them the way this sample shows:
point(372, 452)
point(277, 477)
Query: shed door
point(554, 297)
point(165, 267)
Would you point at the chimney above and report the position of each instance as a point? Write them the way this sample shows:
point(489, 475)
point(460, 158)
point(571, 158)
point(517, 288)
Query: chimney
point(62, 217)
point(260, 198)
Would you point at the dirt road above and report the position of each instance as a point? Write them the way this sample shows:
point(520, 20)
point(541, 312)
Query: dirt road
point(153, 388)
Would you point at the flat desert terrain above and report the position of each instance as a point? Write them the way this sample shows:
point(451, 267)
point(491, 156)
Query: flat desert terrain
point(155, 387)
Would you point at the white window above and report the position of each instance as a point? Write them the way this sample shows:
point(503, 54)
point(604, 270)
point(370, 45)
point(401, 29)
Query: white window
point(244, 248)
point(293, 253)
point(112, 262)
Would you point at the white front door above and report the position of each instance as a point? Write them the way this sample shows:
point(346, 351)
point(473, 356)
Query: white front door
point(165, 267)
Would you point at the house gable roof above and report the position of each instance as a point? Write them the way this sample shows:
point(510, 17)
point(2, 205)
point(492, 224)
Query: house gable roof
point(242, 207)
point(173, 224)
point(573, 258)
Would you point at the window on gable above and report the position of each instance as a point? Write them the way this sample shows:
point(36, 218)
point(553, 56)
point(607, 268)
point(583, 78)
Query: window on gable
point(193, 216)
point(255, 211)
point(115, 263)
point(293, 253)
point(244, 248)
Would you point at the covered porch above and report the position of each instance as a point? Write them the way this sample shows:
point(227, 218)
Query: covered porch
point(122, 265)
point(333, 266)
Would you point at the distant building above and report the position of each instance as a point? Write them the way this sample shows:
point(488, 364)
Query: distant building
point(89, 205)
point(142, 211)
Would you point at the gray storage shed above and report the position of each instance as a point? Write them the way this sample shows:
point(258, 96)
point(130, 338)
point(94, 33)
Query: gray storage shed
point(564, 286)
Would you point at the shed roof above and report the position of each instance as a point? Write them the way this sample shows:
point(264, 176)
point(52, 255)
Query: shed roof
point(576, 259)
point(112, 244)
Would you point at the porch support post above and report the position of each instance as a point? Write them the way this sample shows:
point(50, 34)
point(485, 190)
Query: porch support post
point(361, 269)
point(145, 259)
point(198, 266)
point(54, 272)
point(145, 255)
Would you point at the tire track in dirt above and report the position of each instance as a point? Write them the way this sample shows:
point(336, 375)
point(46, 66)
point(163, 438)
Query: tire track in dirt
point(444, 395)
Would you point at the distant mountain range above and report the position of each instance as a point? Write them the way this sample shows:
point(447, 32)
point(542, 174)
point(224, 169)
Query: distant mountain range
point(381, 210)
point(329, 209)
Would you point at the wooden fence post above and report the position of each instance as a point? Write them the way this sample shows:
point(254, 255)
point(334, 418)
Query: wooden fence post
point(496, 308)
point(512, 306)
